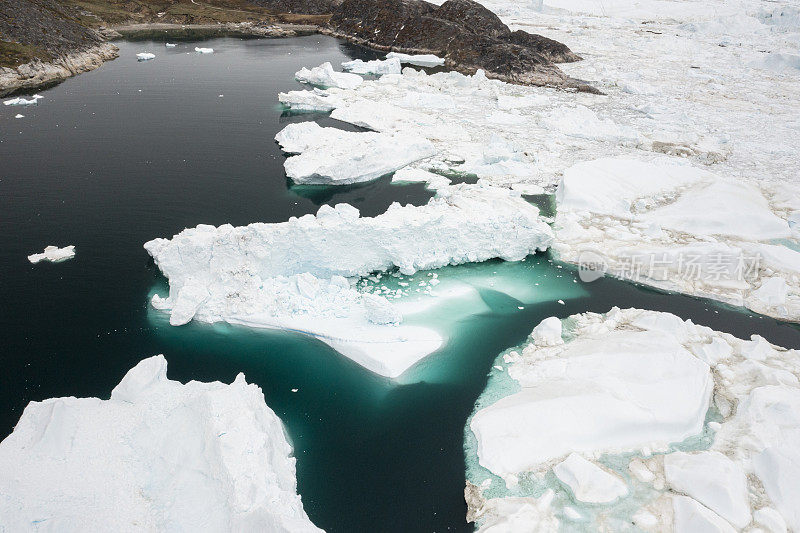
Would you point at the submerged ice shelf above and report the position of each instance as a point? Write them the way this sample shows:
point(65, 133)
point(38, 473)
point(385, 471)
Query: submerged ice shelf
point(663, 423)
point(158, 455)
point(300, 275)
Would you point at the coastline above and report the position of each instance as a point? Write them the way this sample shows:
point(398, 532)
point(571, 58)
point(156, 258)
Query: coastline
point(39, 74)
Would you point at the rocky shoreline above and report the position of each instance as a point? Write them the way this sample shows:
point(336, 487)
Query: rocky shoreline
point(37, 74)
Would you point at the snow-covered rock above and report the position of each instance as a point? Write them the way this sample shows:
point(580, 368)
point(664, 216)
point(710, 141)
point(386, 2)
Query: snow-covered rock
point(420, 60)
point(299, 274)
point(376, 66)
point(24, 101)
point(588, 482)
point(53, 254)
point(331, 156)
point(635, 386)
point(713, 480)
point(201, 50)
point(678, 227)
point(145, 56)
point(158, 456)
point(325, 76)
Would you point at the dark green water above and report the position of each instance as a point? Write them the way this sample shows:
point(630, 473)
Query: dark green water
point(105, 167)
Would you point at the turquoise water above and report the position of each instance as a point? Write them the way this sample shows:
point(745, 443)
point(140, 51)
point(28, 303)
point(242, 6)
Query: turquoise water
point(134, 151)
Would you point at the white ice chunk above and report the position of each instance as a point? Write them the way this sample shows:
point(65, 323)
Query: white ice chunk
point(622, 389)
point(325, 76)
point(691, 516)
point(157, 456)
point(170, 45)
point(24, 101)
point(201, 50)
point(588, 482)
point(420, 60)
point(292, 275)
point(53, 254)
point(713, 480)
point(145, 56)
point(336, 157)
point(548, 332)
point(376, 66)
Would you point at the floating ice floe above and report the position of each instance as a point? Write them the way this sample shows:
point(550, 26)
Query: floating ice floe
point(54, 254)
point(145, 56)
point(170, 45)
point(376, 66)
point(431, 180)
point(420, 60)
point(19, 115)
point(300, 275)
point(201, 50)
point(325, 76)
point(669, 224)
point(331, 156)
point(663, 423)
point(24, 101)
point(158, 455)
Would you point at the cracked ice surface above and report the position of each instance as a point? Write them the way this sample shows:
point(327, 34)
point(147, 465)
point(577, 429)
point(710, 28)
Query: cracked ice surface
point(739, 467)
point(669, 224)
point(158, 455)
point(301, 274)
point(332, 156)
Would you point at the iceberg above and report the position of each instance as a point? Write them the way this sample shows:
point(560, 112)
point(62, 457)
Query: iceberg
point(325, 76)
point(420, 60)
point(678, 227)
point(19, 115)
point(24, 101)
point(331, 156)
point(157, 455)
point(54, 254)
point(633, 429)
point(170, 45)
point(201, 50)
point(145, 56)
point(376, 66)
point(301, 274)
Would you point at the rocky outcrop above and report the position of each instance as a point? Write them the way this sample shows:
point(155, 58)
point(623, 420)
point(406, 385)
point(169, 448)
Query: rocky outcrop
point(465, 33)
point(39, 73)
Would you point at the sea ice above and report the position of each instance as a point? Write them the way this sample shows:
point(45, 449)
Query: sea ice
point(325, 76)
point(294, 275)
point(201, 50)
point(24, 101)
point(158, 455)
point(667, 223)
point(420, 60)
point(332, 156)
point(54, 254)
point(19, 115)
point(170, 45)
point(145, 56)
point(731, 472)
point(376, 66)
point(588, 482)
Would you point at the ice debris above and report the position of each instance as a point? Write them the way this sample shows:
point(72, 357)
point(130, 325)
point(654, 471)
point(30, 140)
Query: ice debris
point(24, 101)
point(325, 76)
point(170, 45)
point(201, 50)
point(158, 455)
point(667, 223)
point(420, 60)
point(627, 388)
point(301, 274)
point(332, 156)
point(145, 56)
point(54, 254)
point(376, 66)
